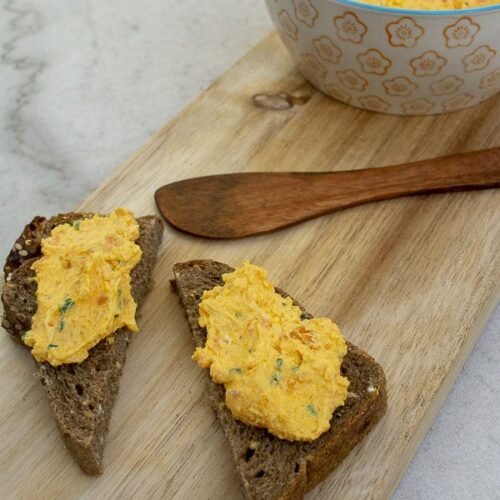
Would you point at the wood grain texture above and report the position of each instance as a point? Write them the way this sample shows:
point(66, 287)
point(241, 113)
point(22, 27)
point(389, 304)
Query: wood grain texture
point(411, 281)
point(244, 204)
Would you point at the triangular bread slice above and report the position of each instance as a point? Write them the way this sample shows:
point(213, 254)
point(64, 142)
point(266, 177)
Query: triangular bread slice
point(272, 468)
point(81, 395)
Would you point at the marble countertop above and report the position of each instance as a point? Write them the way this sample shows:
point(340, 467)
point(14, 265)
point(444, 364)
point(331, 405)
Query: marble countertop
point(76, 81)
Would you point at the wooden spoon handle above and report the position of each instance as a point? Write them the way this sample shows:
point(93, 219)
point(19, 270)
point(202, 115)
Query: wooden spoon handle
point(475, 170)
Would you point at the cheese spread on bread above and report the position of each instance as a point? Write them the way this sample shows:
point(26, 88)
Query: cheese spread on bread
point(83, 286)
point(280, 371)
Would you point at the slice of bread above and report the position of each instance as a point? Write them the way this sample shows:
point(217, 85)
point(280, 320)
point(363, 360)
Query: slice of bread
point(272, 468)
point(81, 395)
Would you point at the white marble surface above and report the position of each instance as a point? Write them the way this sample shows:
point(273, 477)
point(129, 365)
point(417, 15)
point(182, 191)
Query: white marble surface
point(84, 83)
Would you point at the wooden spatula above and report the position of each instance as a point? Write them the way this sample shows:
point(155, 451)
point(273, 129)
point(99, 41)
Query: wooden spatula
point(243, 204)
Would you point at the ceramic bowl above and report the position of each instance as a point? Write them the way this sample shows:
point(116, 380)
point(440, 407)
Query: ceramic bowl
point(396, 61)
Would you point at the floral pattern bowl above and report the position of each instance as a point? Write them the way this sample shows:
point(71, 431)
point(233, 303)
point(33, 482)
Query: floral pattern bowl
point(396, 61)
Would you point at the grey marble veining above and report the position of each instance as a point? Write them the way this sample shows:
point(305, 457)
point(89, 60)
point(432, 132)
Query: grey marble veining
point(84, 83)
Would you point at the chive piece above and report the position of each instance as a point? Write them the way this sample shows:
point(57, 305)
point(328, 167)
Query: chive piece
point(279, 363)
point(312, 410)
point(63, 309)
point(250, 350)
point(52, 346)
point(238, 314)
point(295, 369)
point(235, 370)
point(66, 306)
point(276, 378)
point(76, 225)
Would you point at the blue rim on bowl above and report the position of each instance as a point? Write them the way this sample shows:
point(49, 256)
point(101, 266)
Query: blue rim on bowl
point(410, 12)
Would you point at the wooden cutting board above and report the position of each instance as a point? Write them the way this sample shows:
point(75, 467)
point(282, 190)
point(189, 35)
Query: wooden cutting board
point(411, 281)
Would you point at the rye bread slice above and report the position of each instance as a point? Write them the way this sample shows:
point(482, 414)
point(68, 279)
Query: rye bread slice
point(272, 468)
point(81, 395)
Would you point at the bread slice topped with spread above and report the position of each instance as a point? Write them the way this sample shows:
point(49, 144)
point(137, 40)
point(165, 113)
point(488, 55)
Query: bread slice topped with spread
point(73, 283)
point(292, 404)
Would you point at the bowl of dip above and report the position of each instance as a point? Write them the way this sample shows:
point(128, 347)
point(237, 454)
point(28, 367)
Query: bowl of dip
point(403, 57)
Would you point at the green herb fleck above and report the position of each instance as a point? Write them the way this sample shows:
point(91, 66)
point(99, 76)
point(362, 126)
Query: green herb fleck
point(76, 225)
point(279, 363)
point(24, 335)
point(235, 370)
point(66, 306)
point(312, 410)
point(52, 346)
point(250, 351)
point(296, 368)
point(63, 309)
point(276, 378)
point(238, 314)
